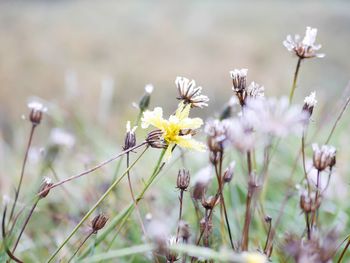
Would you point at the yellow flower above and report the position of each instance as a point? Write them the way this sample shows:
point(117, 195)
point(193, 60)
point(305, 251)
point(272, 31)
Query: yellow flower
point(172, 128)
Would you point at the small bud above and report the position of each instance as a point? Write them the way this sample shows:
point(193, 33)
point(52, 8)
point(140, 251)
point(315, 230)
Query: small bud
point(268, 219)
point(45, 187)
point(310, 102)
point(228, 174)
point(145, 100)
point(305, 204)
point(155, 140)
point(36, 113)
point(183, 180)
point(323, 157)
point(209, 202)
point(206, 225)
point(185, 231)
point(98, 222)
point(130, 137)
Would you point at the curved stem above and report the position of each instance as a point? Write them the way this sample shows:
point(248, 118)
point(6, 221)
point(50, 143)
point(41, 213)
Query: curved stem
point(92, 169)
point(93, 208)
point(133, 197)
point(22, 171)
point(25, 224)
point(344, 250)
point(82, 243)
point(295, 79)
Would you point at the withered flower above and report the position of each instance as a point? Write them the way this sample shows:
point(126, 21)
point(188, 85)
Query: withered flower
point(190, 94)
point(310, 102)
point(130, 137)
point(98, 222)
point(36, 113)
point(183, 179)
point(323, 157)
point(305, 48)
point(45, 187)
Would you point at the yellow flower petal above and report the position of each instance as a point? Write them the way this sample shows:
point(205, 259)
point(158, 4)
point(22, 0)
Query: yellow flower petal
point(183, 111)
point(189, 123)
point(186, 141)
point(154, 118)
point(168, 152)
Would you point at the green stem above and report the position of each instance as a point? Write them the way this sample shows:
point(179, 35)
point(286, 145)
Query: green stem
point(122, 217)
point(131, 207)
point(295, 79)
point(87, 215)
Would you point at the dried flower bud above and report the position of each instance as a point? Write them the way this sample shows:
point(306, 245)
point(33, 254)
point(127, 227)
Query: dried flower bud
point(130, 137)
point(183, 180)
point(36, 113)
point(190, 94)
point(323, 157)
point(209, 202)
point(45, 187)
point(145, 100)
point(184, 231)
point(98, 222)
point(268, 219)
point(228, 174)
point(155, 139)
point(206, 225)
point(171, 256)
point(305, 204)
point(310, 102)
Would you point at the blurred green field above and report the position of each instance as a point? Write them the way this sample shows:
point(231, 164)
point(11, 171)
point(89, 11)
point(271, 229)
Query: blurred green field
point(89, 60)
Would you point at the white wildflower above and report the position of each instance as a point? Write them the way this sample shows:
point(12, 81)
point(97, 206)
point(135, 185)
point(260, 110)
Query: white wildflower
point(149, 88)
point(305, 48)
point(190, 94)
point(310, 100)
point(62, 138)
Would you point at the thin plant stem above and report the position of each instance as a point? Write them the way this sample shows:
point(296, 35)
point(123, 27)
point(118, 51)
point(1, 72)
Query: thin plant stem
point(344, 250)
point(295, 79)
point(304, 162)
point(82, 243)
point(4, 241)
point(133, 196)
point(267, 237)
point(220, 183)
point(93, 208)
point(92, 169)
point(18, 189)
point(338, 119)
point(314, 217)
point(180, 214)
point(245, 234)
point(155, 172)
point(308, 226)
point(25, 224)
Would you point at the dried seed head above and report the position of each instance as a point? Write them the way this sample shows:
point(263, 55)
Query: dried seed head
point(201, 182)
point(305, 48)
point(310, 102)
point(239, 81)
point(45, 187)
point(155, 139)
point(228, 174)
point(323, 157)
point(185, 231)
point(216, 131)
point(209, 202)
point(183, 179)
point(130, 137)
point(171, 256)
point(206, 226)
point(190, 94)
point(255, 90)
point(98, 222)
point(36, 112)
point(305, 203)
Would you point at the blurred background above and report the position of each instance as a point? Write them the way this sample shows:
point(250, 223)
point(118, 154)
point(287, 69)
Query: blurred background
point(62, 51)
point(88, 61)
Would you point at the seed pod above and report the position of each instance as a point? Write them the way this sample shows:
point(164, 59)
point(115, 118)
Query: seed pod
point(45, 187)
point(98, 222)
point(155, 139)
point(130, 137)
point(183, 179)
